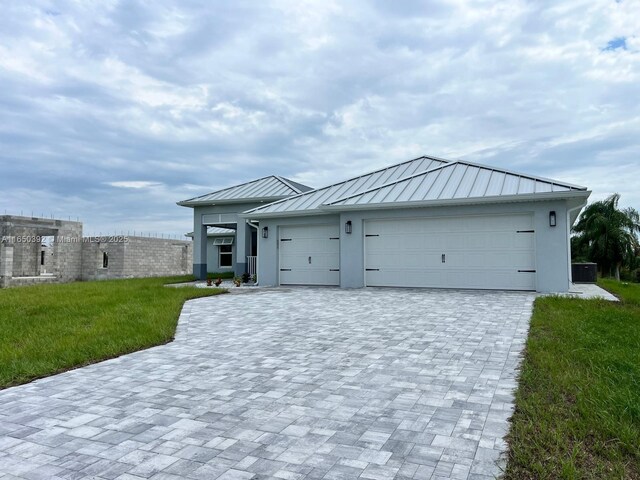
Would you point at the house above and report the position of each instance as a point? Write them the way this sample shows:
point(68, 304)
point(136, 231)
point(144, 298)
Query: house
point(426, 222)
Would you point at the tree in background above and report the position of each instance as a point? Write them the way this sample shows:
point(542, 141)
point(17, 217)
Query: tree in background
point(608, 236)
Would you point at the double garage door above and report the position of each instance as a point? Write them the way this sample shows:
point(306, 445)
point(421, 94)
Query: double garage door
point(485, 252)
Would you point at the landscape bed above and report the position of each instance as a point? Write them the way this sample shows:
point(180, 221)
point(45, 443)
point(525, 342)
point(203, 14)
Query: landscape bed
point(46, 329)
point(578, 402)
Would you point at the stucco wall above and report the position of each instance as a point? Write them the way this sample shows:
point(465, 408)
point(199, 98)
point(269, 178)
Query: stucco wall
point(552, 253)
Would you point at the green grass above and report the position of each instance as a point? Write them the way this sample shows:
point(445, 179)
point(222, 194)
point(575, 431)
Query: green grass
point(629, 292)
point(46, 329)
point(578, 402)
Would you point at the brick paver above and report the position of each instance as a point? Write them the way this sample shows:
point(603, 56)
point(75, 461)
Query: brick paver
point(287, 383)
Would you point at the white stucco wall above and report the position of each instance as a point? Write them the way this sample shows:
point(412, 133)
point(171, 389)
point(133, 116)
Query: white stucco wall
point(552, 253)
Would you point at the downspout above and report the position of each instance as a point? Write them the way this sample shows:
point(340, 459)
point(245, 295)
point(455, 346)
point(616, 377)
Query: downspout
point(569, 225)
point(255, 225)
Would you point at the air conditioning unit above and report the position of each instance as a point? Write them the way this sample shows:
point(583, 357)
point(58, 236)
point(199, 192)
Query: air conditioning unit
point(584, 272)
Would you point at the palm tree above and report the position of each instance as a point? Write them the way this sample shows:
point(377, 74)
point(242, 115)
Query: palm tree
point(607, 235)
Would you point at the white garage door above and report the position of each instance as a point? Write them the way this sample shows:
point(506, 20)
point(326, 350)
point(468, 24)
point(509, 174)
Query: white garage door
point(310, 255)
point(488, 252)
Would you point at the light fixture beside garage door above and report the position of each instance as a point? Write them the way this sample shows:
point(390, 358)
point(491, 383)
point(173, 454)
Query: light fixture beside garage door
point(348, 227)
point(552, 218)
point(265, 232)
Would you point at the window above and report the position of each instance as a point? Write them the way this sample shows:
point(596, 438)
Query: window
point(225, 254)
point(105, 260)
point(223, 241)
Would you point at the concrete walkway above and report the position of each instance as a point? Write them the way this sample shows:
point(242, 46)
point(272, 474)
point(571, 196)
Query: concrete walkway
point(298, 383)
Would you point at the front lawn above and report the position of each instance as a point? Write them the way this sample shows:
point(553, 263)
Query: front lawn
point(47, 329)
point(578, 402)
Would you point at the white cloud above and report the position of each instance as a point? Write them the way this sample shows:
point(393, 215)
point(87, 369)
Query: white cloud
point(134, 184)
point(194, 97)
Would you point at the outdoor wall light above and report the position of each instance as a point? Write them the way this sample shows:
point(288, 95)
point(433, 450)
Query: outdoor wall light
point(552, 218)
point(265, 232)
point(347, 227)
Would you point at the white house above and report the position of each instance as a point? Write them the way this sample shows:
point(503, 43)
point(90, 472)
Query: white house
point(426, 222)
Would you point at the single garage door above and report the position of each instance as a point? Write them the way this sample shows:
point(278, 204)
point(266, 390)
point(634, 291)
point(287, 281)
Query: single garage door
point(487, 252)
point(309, 255)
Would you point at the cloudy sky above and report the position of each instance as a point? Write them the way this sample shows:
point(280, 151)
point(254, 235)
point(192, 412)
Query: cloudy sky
point(111, 111)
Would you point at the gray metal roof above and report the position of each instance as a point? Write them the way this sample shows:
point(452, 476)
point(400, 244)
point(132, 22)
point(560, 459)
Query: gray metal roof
point(309, 201)
point(271, 187)
point(457, 180)
point(424, 179)
point(216, 232)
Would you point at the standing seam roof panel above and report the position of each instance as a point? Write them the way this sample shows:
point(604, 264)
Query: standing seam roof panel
point(439, 184)
point(526, 186)
point(467, 183)
point(314, 198)
point(453, 181)
point(410, 189)
point(510, 186)
point(481, 183)
point(542, 187)
point(495, 184)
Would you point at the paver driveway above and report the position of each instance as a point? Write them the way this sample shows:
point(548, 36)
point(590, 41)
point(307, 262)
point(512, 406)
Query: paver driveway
point(299, 383)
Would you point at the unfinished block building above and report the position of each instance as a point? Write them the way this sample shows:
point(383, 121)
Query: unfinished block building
point(41, 250)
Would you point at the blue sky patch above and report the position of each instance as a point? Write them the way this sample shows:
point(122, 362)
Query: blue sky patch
point(616, 43)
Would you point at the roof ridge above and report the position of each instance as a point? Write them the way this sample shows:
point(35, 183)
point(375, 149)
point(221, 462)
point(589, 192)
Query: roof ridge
point(408, 177)
point(452, 165)
point(227, 188)
point(347, 180)
point(525, 175)
point(289, 183)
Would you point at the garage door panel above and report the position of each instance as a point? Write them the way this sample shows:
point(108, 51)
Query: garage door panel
point(309, 255)
point(480, 252)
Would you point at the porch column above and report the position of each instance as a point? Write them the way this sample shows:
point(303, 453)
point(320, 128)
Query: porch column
point(199, 248)
point(243, 242)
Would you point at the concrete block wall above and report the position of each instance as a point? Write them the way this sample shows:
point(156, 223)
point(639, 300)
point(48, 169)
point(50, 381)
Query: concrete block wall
point(67, 251)
point(22, 239)
point(137, 257)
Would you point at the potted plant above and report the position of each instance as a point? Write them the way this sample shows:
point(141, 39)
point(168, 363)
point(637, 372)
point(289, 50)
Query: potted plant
point(237, 281)
point(218, 282)
point(208, 282)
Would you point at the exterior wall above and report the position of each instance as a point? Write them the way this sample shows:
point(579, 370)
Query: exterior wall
point(213, 259)
point(552, 254)
point(268, 268)
point(23, 237)
point(138, 257)
point(67, 252)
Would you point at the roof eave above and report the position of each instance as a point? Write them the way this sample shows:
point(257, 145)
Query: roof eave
point(204, 203)
point(295, 213)
point(534, 197)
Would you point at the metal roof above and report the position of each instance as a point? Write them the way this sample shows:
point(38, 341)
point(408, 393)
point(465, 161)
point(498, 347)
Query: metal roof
point(421, 180)
point(309, 201)
point(216, 232)
point(272, 187)
point(458, 180)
